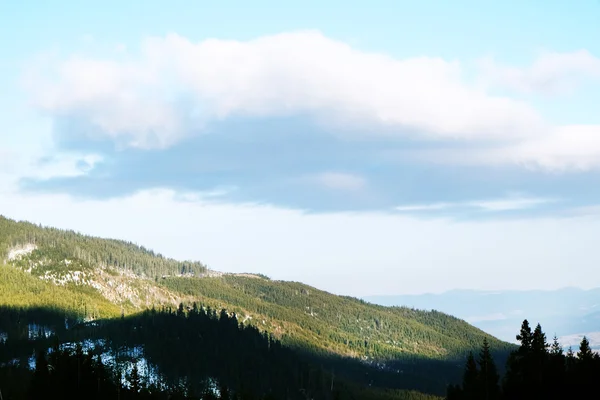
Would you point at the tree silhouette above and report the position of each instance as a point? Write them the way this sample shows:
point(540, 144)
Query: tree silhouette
point(488, 376)
point(585, 353)
point(471, 379)
point(525, 337)
point(534, 371)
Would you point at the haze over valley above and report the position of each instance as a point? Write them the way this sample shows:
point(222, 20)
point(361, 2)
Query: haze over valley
point(569, 313)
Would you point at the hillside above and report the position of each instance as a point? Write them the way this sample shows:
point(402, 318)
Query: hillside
point(568, 313)
point(344, 324)
point(100, 278)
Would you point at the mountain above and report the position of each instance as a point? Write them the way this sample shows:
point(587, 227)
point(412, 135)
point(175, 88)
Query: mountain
point(569, 313)
point(94, 279)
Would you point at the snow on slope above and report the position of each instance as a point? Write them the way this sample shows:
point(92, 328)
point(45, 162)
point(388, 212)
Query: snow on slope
point(17, 252)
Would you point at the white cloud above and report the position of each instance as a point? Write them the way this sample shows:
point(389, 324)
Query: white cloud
point(563, 149)
point(403, 254)
point(340, 181)
point(425, 207)
point(568, 147)
point(551, 73)
point(512, 202)
point(171, 87)
point(206, 195)
point(575, 339)
point(509, 204)
point(174, 86)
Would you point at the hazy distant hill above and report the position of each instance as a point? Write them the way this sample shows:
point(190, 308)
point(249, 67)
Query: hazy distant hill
point(569, 313)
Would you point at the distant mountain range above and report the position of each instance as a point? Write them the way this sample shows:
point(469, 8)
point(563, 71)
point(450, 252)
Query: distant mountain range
point(569, 313)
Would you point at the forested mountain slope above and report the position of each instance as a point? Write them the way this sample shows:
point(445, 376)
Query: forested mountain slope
point(345, 324)
point(169, 354)
point(102, 278)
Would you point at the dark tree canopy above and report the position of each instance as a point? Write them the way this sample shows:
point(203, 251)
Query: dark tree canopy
point(536, 370)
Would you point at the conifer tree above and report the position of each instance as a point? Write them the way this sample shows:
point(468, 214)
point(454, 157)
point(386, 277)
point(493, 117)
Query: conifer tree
point(539, 355)
point(471, 379)
point(525, 336)
point(538, 342)
point(570, 359)
point(585, 353)
point(556, 349)
point(488, 375)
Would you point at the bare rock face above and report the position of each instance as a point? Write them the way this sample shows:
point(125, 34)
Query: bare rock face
point(16, 253)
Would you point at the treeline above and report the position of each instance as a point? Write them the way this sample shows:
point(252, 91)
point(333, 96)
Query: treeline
point(347, 325)
point(59, 245)
point(188, 353)
point(536, 370)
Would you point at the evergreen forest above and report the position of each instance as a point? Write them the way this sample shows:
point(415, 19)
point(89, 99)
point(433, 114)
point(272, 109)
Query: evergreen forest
point(87, 317)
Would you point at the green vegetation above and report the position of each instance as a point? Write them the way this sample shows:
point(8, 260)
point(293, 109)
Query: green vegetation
point(386, 348)
point(20, 289)
point(186, 354)
point(58, 245)
point(345, 325)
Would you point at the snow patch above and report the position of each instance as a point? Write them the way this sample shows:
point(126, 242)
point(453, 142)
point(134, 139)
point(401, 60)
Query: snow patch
point(17, 253)
point(76, 277)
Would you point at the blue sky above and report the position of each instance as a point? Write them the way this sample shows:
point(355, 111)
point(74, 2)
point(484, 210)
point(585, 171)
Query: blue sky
point(422, 139)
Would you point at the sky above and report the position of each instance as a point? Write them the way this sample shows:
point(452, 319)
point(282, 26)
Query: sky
point(365, 148)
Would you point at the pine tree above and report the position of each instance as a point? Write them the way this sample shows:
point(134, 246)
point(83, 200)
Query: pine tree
point(525, 337)
point(539, 356)
point(488, 376)
point(471, 379)
point(556, 349)
point(585, 352)
point(570, 360)
point(538, 342)
point(585, 378)
point(555, 376)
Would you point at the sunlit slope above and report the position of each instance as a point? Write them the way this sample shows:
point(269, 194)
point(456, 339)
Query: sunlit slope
point(21, 289)
point(105, 277)
point(345, 324)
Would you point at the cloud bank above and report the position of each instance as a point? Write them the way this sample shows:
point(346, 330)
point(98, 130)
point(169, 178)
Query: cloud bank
point(172, 88)
point(418, 167)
